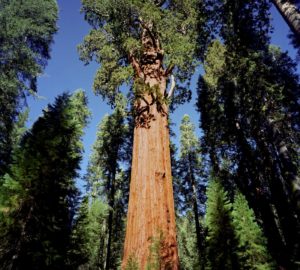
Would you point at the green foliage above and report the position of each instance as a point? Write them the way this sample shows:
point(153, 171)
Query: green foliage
point(251, 250)
point(132, 264)
point(39, 191)
point(107, 150)
point(89, 235)
point(19, 129)
point(234, 240)
point(189, 186)
point(155, 249)
point(106, 179)
point(117, 32)
point(248, 103)
point(242, 24)
point(187, 243)
point(188, 168)
point(27, 29)
point(189, 144)
point(220, 239)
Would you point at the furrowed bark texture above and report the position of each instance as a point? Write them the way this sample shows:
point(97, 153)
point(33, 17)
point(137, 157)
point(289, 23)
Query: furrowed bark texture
point(151, 215)
point(290, 13)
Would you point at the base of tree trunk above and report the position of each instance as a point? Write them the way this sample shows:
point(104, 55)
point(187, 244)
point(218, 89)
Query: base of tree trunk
point(151, 229)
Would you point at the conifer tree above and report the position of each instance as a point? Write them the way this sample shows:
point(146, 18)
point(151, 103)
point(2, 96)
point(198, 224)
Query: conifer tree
point(105, 176)
point(220, 241)
point(142, 43)
point(26, 32)
point(248, 103)
point(251, 251)
point(190, 172)
point(187, 243)
point(38, 195)
point(87, 249)
point(257, 152)
point(79, 249)
point(234, 240)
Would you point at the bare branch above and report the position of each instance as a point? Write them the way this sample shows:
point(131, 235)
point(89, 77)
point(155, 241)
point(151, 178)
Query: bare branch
point(172, 87)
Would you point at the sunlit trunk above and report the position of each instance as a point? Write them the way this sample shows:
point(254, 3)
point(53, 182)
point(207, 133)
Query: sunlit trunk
point(151, 215)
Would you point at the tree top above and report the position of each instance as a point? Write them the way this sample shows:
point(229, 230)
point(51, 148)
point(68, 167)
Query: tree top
point(116, 38)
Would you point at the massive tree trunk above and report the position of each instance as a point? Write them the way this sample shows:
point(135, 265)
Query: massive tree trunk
point(290, 13)
point(151, 215)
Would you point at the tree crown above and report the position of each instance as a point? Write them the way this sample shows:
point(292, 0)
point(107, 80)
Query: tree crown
point(117, 32)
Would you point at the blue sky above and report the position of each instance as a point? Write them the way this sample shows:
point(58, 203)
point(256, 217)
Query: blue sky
point(65, 72)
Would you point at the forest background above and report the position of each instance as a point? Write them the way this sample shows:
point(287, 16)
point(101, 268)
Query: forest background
point(37, 183)
point(65, 72)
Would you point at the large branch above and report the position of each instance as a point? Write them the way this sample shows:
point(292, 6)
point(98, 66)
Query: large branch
point(148, 29)
point(172, 87)
point(136, 66)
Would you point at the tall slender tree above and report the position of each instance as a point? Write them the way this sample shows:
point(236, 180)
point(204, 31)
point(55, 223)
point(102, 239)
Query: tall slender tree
point(27, 29)
point(190, 173)
point(38, 194)
point(144, 42)
point(105, 175)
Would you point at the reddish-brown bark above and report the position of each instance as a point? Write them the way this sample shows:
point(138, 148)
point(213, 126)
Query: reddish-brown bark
point(151, 204)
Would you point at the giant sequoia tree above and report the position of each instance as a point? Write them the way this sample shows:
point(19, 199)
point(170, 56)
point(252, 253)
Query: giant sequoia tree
point(26, 32)
point(142, 43)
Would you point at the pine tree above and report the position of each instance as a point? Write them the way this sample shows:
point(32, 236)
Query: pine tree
point(142, 43)
point(251, 249)
point(39, 193)
point(220, 241)
point(27, 29)
point(106, 177)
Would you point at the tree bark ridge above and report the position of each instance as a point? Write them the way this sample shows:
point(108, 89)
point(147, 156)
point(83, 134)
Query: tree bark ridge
point(151, 214)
